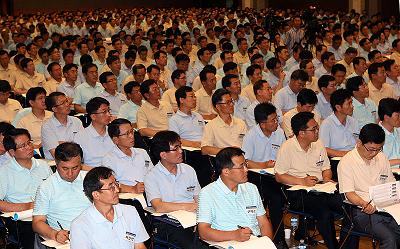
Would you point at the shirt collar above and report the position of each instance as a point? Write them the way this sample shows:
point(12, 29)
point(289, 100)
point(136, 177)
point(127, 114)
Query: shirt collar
point(99, 218)
point(92, 131)
point(356, 103)
point(162, 169)
point(289, 91)
point(57, 122)
point(17, 167)
point(221, 122)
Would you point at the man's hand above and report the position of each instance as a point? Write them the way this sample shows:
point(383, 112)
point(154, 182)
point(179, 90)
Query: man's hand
point(310, 181)
point(139, 188)
point(192, 207)
point(62, 236)
point(243, 234)
point(270, 164)
point(368, 208)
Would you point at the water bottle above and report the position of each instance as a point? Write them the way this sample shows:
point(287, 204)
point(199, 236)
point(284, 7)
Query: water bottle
point(302, 245)
point(294, 223)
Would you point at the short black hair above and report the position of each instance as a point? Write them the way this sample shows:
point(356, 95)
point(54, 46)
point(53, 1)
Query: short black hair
point(51, 100)
point(388, 64)
point(110, 59)
point(338, 97)
point(223, 159)
point(353, 84)
point(229, 66)
point(33, 92)
point(103, 77)
point(387, 106)
point(262, 111)
point(299, 74)
point(371, 55)
point(65, 151)
point(136, 68)
point(129, 86)
point(299, 121)
point(324, 80)
point(251, 69)
point(325, 56)
point(113, 127)
point(11, 135)
point(151, 67)
point(87, 66)
point(5, 127)
point(226, 80)
point(5, 86)
point(176, 74)
point(145, 87)
point(68, 67)
point(94, 104)
point(92, 180)
point(217, 96)
point(207, 69)
point(272, 63)
point(307, 96)
point(181, 93)
point(161, 142)
point(338, 68)
point(373, 68)
point(372, 133)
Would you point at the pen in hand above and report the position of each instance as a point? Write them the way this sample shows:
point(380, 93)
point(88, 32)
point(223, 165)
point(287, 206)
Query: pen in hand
point(59, 224)
point(362, 209)
point(240, 227)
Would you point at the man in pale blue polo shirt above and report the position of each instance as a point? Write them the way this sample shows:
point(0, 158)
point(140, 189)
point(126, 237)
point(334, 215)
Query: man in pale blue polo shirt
point(19, 179)
point(110, 93)
point(340, 130)
point(389, 115)
point(188, 124)
point(364, 109)
point(327, 86)
point(231, 208)
point(60, 198)
point(172, 185)
point(94, 139)
point(130, 108)
point(286, 98)
point(129, 164)
point(106, 224)
point(60, 127)
point(88, 90)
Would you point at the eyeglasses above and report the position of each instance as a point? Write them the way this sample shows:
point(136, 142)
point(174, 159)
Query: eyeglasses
point(176, 148)
point(103, 112)
point(62, 103)
point(314, 129)
point(241, 166)
point(373, 150)
point(113, 187)
point(229, 102)
point(130, 132)
point(24, 145)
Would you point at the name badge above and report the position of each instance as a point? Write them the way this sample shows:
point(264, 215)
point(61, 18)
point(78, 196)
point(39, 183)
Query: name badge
point(201, 123)
point(356, 135)
point(146, 163)
point(320, 163)
point(169, 114)
point(383, 178)
point(130, 237)
point(241, 136)
point(244, 109)
point(275, 146)
point(251, 210)
point(190, 188)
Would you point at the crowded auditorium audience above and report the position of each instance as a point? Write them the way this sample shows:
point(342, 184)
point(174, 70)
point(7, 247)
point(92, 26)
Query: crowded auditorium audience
point(188, 109)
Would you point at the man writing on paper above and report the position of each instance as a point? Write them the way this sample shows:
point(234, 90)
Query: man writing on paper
point(106, 224)
point(362, 167)
point(170, 186)
point(231, 208)
point(60, 198)
point(19, 179)
point(302, 160)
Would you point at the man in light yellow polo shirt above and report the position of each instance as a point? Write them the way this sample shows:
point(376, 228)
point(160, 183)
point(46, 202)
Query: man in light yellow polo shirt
point(378, 89)
point(8, 107)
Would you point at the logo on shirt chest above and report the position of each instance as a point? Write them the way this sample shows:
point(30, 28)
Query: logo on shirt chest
point(275, 146)
point(146, 163)
point(190, 188)
point(251, 210)
point(130, 237)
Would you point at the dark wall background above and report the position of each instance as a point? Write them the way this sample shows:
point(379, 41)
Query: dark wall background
point(301, 4)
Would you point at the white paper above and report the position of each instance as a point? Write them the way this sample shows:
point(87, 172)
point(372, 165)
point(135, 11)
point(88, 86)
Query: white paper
point(253, 242)
point(384, 195)
point(139, 197)
point(328, 187)
point(23, 215)
point(186, 218)
point(269, 171)
point(55, 244)
point(190, 148)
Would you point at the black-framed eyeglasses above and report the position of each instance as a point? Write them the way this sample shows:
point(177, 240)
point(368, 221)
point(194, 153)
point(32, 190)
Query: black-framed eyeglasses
point(24, 145)
point(373, 150)
point(175, 148)
point(229, 102)
point(314, 129)
point(113, 187)
point(62, 103)
point(126, 134)
point(103, 112)
point(242, 165)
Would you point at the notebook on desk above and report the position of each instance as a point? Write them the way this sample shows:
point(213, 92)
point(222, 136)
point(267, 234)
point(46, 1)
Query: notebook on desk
point(328, 187)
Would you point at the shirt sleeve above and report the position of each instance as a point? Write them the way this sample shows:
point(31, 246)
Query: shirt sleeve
point(260, 206)
point(141, 119)
point(42, 200)
point(49, 137)
point(137, 225)
point(77, 97)
point(79, 236)
point(151, 188)
point(205, 210)
point(208, 136)
point(324, 133)
point(247, 146)
point(282, 164)
point(346, 179)
point(3, 184)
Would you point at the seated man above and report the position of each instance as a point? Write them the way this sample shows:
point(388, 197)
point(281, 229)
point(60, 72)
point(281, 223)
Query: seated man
point(188, 124)
point(389, 115)
point(178, 78)
point(60, 127)
point(302, 160)
point(254, 73)
point(60, 198)
point(361, 168)
point(224, 130)
point(231, 82)
point(327, 86)
point(129, 164)
point(129, 109)
point(8, 107)
point(306, 101)
point(378, 88)
point(19, 179)
point(204, 94)
point(34, 120)
point(286, 98)
point(231, 208)
point(110, 93)
point(106, 224)
point(172, 185)
point(4, 156)
point(364, 109)
point(153, 115)
point(94, 139)
point(340, 130)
